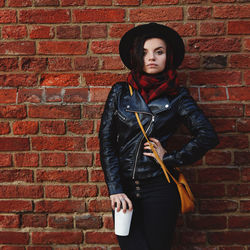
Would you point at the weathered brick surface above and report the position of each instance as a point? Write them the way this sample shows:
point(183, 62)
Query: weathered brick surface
point(58, 62)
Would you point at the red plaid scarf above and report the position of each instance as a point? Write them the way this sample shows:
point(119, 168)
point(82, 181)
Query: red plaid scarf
point(152, 86)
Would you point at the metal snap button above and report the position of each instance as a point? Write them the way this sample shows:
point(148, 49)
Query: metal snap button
point(138, 188)
point(137, 182)
point(128, 106)
point(166, 106)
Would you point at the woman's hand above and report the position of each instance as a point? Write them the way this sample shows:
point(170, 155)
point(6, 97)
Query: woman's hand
point(121, 199)
point(158, 148)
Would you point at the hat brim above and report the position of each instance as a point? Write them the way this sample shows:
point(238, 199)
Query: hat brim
point(152, 30)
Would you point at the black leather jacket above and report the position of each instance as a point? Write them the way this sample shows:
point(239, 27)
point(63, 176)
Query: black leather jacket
point(121, 139)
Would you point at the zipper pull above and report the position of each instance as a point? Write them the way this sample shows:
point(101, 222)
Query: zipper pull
point(153, 118)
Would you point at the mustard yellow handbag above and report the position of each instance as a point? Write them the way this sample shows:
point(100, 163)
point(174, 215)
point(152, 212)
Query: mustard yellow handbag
point(186, 196)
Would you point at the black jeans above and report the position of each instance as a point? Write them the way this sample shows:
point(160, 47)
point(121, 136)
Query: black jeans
point(156, 206)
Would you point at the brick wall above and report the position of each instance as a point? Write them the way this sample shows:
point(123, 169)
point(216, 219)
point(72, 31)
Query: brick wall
point(58, 61)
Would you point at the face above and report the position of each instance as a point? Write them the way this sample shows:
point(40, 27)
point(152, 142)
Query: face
point(155, 56)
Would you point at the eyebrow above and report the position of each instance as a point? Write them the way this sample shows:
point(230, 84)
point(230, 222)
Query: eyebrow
point(156, 48)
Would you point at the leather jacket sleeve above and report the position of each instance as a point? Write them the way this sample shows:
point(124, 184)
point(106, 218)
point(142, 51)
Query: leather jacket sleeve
point(204, 136)
point(108, 144)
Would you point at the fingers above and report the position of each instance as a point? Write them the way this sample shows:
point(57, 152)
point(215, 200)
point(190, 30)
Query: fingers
point(121, 201)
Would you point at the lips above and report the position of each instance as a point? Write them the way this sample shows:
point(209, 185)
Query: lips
point(152, 65)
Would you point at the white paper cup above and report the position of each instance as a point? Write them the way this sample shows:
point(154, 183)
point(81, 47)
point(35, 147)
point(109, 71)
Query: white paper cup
point(122, 222)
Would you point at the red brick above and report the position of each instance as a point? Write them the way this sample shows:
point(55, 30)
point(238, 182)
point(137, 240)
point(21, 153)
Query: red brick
point(68, 32)
point(105, 47)
point(77, 95)
point(93, 111)
point(2, 3)
point(98, 94)
point(199, 13)
point(84, 191)
point(42, 248)
point(247, 44)
point(86, 63)
point(61, 222)
point(97, 176)
point(80, 127)
point(231, 11)
point(227, 238)
point(9, 221)
point(67, 206)
point(156, 14)
point(231, 248)
point(222, 110)
point(57, 237)
point(212, 29)
point(213, 94)
point(34, 220)
point(234, 141)
point(100, 238)
point(238, 190)
point(193, 238)
point(99, 206)
point(217, 206)
point(57, 143)
point(112, 63)
point(19, 3)
point(25, 127)
point(14, 238)
point(158, 2)
point(103, 79)
point(72, 2)
point(62, 47)
point(214, 45)
point(223, 1)
point(46, 3)
point(218, 158)
point(53, 95)
point(207, 222)
point(239, 93)
point(52, 127)
point(104, 191)
point(247, 110)
point(16, 175)
point(62, 176)
point(239, 222)
point(33, 64)
point(57, 192)
point(17, 80)
point(13, 248)
point(99, 2)
point(208, 190)
point(245, 206)
point(14, 144)
point(118, 30)
point(8, 64)
point(108, 222)
point(190, 62)
point(44, 16)
point(53, 159)
point(242, 158)
point(94, 31)
point(13, 191)
point(60, 80)
point(17, 48)
point(184, 29)
point(247, 76)
point(88, 222)
point(30, 95)
point(80, 159)
point(243, 125)
point(98, 15)
point(41, 32)
point(240, 61)
point(239, 27)
point(93, 143)
point(8, 95)
point(15, 206)
point(5, 160)
point(8, 16)
point(54, 111)
point(224, 125)
point(218, 174)
point(59, 64)
point(14, 32)
point(26, 160)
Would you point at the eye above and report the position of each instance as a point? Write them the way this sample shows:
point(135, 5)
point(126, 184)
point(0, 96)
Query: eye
point(159, 52)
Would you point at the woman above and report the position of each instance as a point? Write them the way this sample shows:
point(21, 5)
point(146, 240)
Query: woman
point(135, 180)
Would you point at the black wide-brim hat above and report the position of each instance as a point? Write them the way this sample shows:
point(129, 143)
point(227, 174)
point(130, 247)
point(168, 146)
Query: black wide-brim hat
point(152, 30)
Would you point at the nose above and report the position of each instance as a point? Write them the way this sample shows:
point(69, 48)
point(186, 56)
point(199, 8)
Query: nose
point(151, 56)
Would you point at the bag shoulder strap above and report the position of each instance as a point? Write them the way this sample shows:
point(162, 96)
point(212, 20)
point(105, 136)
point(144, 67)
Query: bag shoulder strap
point(165, 170)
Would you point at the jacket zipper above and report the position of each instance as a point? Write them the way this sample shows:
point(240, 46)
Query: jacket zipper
point(137, 153)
